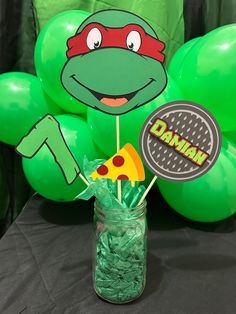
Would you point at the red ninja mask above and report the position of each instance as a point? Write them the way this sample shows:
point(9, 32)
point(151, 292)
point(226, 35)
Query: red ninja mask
point(131, 36)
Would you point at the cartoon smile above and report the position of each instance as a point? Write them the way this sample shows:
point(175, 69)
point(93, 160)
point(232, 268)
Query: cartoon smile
point(113, 100)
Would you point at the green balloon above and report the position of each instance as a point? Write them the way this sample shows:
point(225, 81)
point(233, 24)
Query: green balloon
point(231, 136)
point(172, 91)
point(45, 176)
point(178, 58)
point(103, 126)
point(207, 75)
point(209, 198)
point(50, 57)
point(22, 103)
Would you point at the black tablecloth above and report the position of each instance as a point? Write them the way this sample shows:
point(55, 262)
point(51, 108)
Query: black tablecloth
point(45, 263)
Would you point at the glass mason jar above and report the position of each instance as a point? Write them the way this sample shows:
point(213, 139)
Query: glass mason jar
point(119, 263)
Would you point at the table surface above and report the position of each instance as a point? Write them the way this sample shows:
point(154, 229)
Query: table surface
point(46, 263)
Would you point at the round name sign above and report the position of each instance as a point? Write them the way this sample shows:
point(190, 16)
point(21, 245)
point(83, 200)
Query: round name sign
point(180, 141)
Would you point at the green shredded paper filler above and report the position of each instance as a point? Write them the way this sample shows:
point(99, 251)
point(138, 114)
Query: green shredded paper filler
point(120, 263)
point(105, 191)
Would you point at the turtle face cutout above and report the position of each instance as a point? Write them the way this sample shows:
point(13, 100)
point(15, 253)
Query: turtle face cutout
point(114, 63)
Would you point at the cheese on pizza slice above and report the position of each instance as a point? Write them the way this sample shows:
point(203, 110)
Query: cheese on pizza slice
point(124, 165)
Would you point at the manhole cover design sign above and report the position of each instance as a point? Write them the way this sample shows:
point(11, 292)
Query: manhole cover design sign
point(180, 141)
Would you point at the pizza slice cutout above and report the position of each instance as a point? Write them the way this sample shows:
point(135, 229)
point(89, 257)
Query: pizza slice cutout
point(124, 165)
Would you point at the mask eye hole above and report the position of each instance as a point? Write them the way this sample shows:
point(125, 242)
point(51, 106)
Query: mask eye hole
point(94, 38)
point(133, 41)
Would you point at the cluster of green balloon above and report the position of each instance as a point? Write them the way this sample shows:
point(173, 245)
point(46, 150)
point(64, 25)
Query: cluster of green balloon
point(209, 198)
point(207, 74)
point(50, 57)
point(45, 176)
point(103, 126)
point(23, 102)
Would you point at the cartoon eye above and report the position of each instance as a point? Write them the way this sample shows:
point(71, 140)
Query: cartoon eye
point(133, 41)
point(94, 38)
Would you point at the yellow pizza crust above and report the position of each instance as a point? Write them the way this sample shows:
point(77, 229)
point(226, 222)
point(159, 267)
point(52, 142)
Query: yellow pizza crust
point(136, 161)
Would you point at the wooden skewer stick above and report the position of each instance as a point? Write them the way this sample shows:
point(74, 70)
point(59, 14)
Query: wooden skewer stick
point(147, 190)
point(117, 149)
point(84, 179)
point(117, 133)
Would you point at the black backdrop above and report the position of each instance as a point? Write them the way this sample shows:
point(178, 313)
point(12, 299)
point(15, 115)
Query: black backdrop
point(17, 39)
